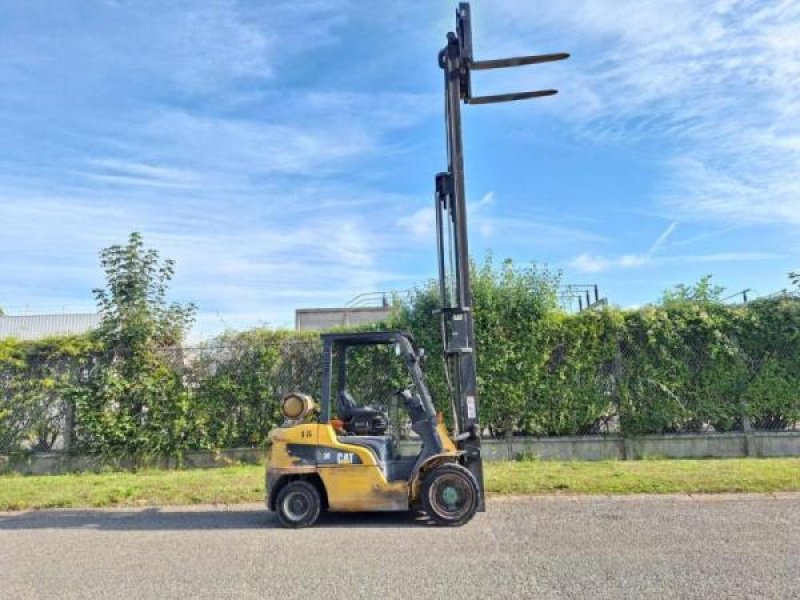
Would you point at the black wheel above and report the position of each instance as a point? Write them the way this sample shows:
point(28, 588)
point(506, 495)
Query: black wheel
point(298, 504)
point(449, 495)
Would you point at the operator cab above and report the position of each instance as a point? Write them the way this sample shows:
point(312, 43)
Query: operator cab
point(369, 392)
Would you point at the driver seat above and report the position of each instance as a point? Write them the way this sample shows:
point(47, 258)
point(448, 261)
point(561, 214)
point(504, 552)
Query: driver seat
point(365, 426)
point(361, 421)
point(347, 405)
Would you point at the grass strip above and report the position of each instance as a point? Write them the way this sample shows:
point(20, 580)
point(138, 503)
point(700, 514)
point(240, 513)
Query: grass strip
point(245, 483)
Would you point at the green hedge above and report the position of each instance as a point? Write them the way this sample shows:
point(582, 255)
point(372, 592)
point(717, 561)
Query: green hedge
point(35, 379)
point(683, 367)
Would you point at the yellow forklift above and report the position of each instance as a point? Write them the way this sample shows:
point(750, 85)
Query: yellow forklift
point(337, 456)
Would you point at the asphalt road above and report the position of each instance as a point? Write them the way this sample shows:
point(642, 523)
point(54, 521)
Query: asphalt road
point(548, 547)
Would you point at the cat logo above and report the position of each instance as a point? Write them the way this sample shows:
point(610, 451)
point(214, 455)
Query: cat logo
point(344, 458)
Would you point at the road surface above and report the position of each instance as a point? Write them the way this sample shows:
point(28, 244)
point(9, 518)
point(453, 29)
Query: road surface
point(744, 546)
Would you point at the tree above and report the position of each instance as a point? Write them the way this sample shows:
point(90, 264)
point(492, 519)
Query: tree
point(135, 312)
point(703, 292)
point(134, 400)
point(794, 276)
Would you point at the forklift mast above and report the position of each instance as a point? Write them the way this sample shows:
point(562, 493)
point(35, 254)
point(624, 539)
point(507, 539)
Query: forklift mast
point(458, 336)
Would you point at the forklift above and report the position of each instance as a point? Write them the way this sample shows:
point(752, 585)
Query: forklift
point(337, 456)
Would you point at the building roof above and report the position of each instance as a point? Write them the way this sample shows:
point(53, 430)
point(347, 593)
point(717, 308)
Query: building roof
point(321, 319)
point(36, 327)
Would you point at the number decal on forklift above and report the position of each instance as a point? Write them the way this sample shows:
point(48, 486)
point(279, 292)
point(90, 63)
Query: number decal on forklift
point(305, 434)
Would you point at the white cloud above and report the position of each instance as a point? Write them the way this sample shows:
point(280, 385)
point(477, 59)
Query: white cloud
point(716, 83)
point(188, 47)
point(589, 263)
point(300, 133)
point(205, 126)
point(661, 239)
point(727, 257)
point(138, 174)
point(213, 41)
point(252, 147)
point(595, 263)
point(422, 223)
point(592, 263)
point(232, 260)
point(495, 227)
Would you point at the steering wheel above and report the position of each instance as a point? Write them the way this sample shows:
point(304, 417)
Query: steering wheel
point(409, 398)
point(404, 394)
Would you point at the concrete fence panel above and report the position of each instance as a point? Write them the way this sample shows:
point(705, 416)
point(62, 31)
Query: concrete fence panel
point(721, 445)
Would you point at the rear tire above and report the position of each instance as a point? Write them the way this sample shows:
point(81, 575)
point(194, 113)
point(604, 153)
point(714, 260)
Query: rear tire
point(298, 504)
point(450, 495)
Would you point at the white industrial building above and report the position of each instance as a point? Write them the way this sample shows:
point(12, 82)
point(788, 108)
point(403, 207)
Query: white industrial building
point(37, 327)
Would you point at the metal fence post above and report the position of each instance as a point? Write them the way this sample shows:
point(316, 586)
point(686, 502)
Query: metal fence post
point(617, 371)
point(747, 432)
point(69, 421)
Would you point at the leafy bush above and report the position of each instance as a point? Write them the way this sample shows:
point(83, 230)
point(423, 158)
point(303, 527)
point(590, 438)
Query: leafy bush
point(769, 336)
point(35, 380)
point(574, 391)
point(688, 364)
point(239, 378)
point(509, 304)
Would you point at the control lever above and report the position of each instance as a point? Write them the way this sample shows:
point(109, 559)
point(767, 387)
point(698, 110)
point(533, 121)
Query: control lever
point(471, 434)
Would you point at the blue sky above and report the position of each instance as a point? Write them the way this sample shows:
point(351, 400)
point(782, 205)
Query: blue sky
point(283, 152)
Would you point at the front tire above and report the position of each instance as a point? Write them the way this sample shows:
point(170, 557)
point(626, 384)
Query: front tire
point(450, 495)
point(298, 504)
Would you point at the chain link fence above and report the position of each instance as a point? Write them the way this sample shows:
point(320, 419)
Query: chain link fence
point(229, 393)
point(34, 413)
point(639, 390)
